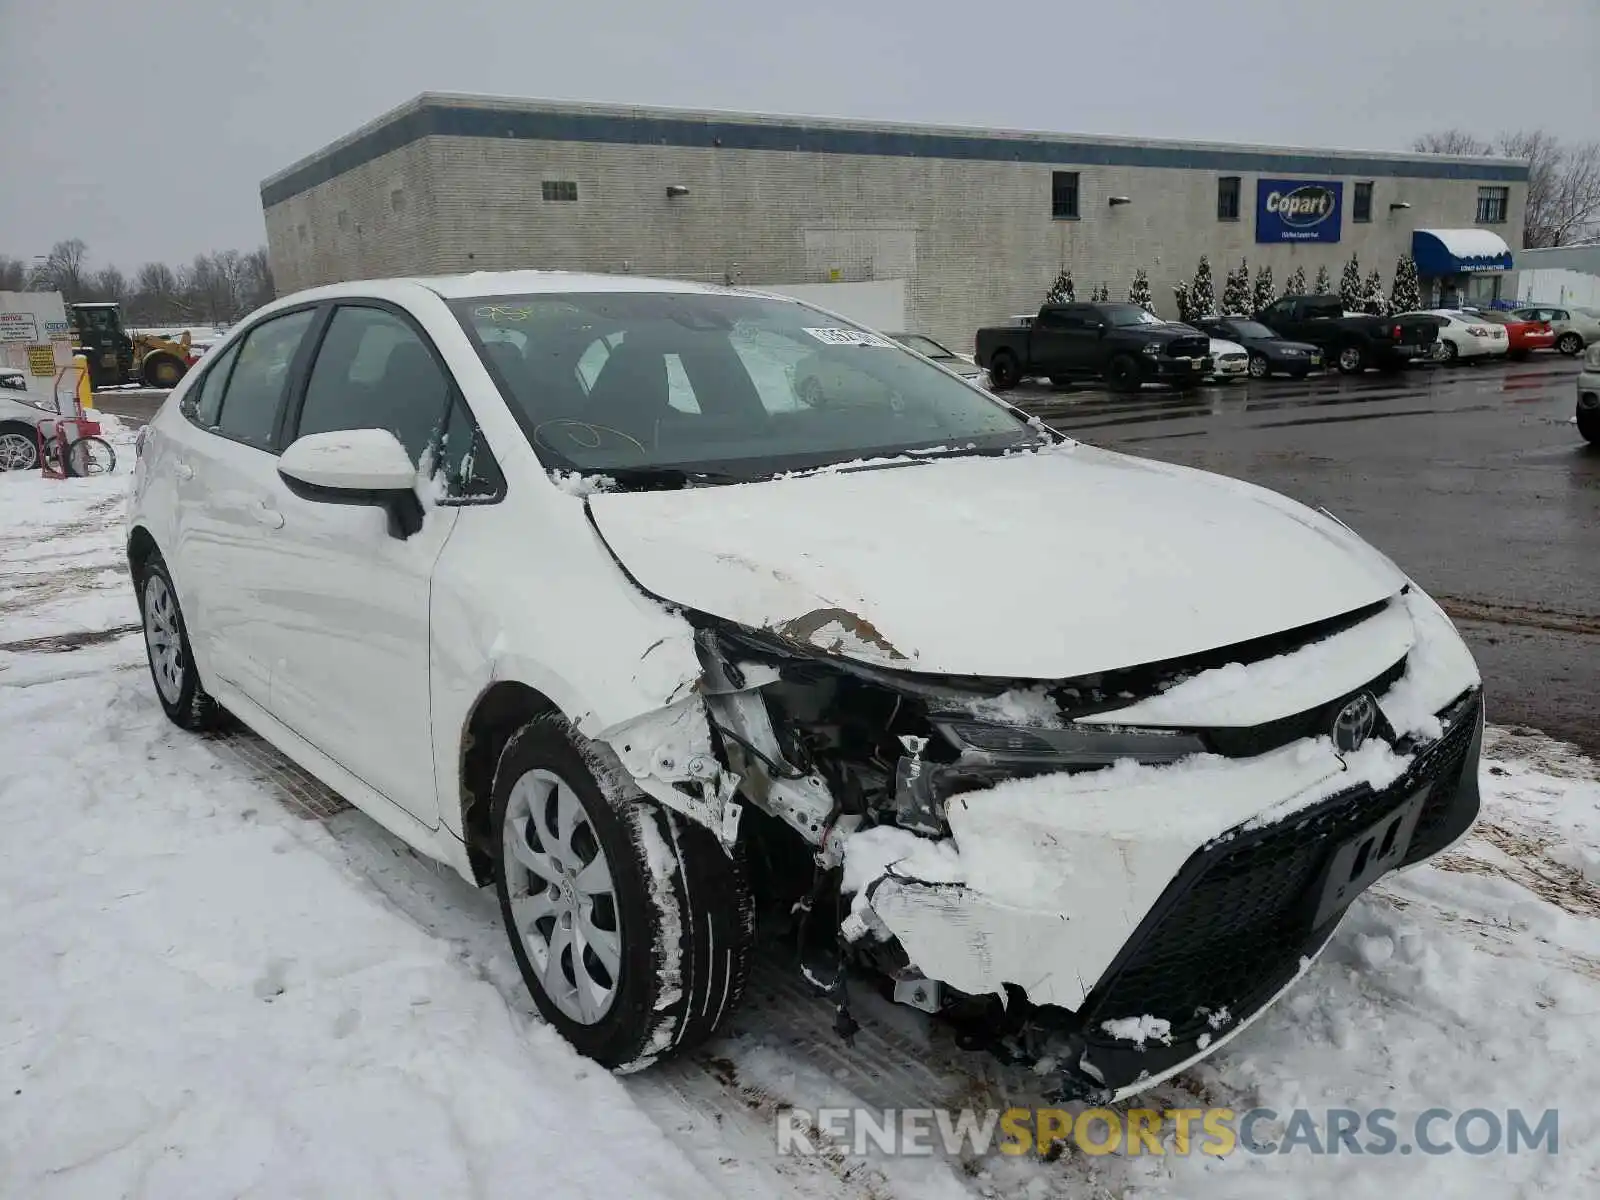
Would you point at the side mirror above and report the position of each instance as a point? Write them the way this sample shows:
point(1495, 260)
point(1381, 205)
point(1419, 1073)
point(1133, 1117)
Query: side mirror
point(356, 466)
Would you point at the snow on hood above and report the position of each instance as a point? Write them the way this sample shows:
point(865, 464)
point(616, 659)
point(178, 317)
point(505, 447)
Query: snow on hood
point(1041, 565)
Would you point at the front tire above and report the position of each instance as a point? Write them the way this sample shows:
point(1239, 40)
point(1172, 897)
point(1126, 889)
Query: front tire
point(162, 370)
point(19, 447)
point(1122, 374)
point(1589, 426)
point(166, 644)
point(1260, 368)
point(630, 924)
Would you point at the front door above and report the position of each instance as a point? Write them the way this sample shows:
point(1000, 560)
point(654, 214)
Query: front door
point(348, 631)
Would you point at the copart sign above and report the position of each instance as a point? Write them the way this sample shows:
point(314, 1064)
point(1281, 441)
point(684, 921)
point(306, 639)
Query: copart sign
point(1298, 210)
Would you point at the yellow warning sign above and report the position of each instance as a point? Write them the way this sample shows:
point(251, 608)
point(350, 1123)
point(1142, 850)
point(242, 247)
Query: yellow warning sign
point(42, 360)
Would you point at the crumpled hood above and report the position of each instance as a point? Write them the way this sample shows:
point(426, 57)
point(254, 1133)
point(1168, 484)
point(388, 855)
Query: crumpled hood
point(1042, 565)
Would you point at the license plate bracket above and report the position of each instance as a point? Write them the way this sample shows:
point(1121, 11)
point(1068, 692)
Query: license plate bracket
point(1361, 860)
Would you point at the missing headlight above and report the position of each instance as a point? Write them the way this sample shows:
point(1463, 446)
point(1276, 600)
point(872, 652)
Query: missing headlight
point(990, 742)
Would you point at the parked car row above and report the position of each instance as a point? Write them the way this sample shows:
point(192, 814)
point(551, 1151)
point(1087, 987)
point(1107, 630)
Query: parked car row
point(1127, 346)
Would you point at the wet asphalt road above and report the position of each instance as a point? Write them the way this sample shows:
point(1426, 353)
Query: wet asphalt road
point(1472, 478)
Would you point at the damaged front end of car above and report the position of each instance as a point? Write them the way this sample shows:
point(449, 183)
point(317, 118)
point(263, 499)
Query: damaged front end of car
point(1115, 872)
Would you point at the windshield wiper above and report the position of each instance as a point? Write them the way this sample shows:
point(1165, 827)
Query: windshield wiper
point(664, 479)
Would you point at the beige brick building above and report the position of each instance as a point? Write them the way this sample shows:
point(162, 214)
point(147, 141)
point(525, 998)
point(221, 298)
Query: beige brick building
point(975, 222)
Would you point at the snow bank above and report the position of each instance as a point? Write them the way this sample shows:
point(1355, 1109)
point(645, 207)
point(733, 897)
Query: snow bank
point(200, 1001)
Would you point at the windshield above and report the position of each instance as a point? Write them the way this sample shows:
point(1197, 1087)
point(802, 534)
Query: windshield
point(723, 386)
point(922, 345)
point(1129, 314)
point(1250, 329)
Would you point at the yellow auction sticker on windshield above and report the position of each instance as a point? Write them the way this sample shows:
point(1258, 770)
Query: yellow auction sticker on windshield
point(848, 337)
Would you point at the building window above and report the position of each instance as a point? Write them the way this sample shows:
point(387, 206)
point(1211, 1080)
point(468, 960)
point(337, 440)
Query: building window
point(1228, 198)
point(559, 189)
point(1492, 205)
point(397, 200)
point(1064, 195)
point(343, 219)
point(1362, 209)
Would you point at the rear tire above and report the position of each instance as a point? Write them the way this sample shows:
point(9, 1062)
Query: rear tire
point(1569, 344)
point(1004, 372)
point(1061, 381)
point(652, 947)
point(1451, 352)
point(1352, 359)
point(166, 644)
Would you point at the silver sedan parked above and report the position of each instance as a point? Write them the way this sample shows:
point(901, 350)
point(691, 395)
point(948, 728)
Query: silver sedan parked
point(1575, 326)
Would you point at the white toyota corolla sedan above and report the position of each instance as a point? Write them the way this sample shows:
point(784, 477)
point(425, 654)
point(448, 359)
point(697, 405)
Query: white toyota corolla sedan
point(557, 578)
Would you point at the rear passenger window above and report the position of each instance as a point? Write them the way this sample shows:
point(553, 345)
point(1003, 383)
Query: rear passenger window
point(260, 377)
point(205, 402)
point(374, 371)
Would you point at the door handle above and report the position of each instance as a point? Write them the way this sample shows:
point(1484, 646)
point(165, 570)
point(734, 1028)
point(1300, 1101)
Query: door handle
point(183, 471)
point(265, 515)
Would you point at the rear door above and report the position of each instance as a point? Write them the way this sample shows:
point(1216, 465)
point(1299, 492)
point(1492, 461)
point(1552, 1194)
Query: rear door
point(227, 483)
point(347, 634)
point(1050, 343)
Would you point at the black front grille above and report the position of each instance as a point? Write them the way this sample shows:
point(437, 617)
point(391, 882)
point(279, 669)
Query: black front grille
point(1189, 347)
point(1231, 930)
point(1251, 740)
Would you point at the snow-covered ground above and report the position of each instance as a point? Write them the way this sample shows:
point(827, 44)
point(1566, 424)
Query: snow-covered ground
point(206, 992)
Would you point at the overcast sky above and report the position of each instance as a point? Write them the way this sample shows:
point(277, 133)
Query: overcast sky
point(146, 127)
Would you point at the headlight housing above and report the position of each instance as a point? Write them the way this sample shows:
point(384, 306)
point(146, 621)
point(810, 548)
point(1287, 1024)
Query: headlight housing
point(1592, 358)
point(1151, 348)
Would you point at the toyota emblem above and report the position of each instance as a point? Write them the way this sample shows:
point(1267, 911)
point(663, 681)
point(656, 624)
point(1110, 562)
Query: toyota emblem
point(1354, 724)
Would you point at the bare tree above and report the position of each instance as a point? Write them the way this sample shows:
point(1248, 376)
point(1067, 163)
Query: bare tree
point(13, 273)
point(108, 284)
point(1563, 180)
point(1452, 141)
point(65, 267)
point(256, 280)
point(157, 295)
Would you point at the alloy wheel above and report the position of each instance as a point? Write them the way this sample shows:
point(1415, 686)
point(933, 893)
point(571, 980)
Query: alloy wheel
point(163, 639)
point(563, 897)
point(1569, 343)
point(18, 452)
point(1259, 368)
point(1350, 359)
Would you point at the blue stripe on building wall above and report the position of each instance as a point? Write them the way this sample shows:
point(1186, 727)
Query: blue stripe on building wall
point(651, 130)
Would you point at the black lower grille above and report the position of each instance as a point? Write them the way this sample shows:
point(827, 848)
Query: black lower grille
point(1186, 347)
point(1232, 929)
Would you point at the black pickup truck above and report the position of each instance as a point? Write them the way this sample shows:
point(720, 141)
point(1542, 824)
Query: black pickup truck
point(1120, 343)
point(1351, 343)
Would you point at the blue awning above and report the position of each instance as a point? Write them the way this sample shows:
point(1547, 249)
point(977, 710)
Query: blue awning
point(1459, 252)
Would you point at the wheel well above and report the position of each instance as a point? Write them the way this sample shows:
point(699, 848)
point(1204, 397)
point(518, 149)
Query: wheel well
point(502, 710)
point(140, 547)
